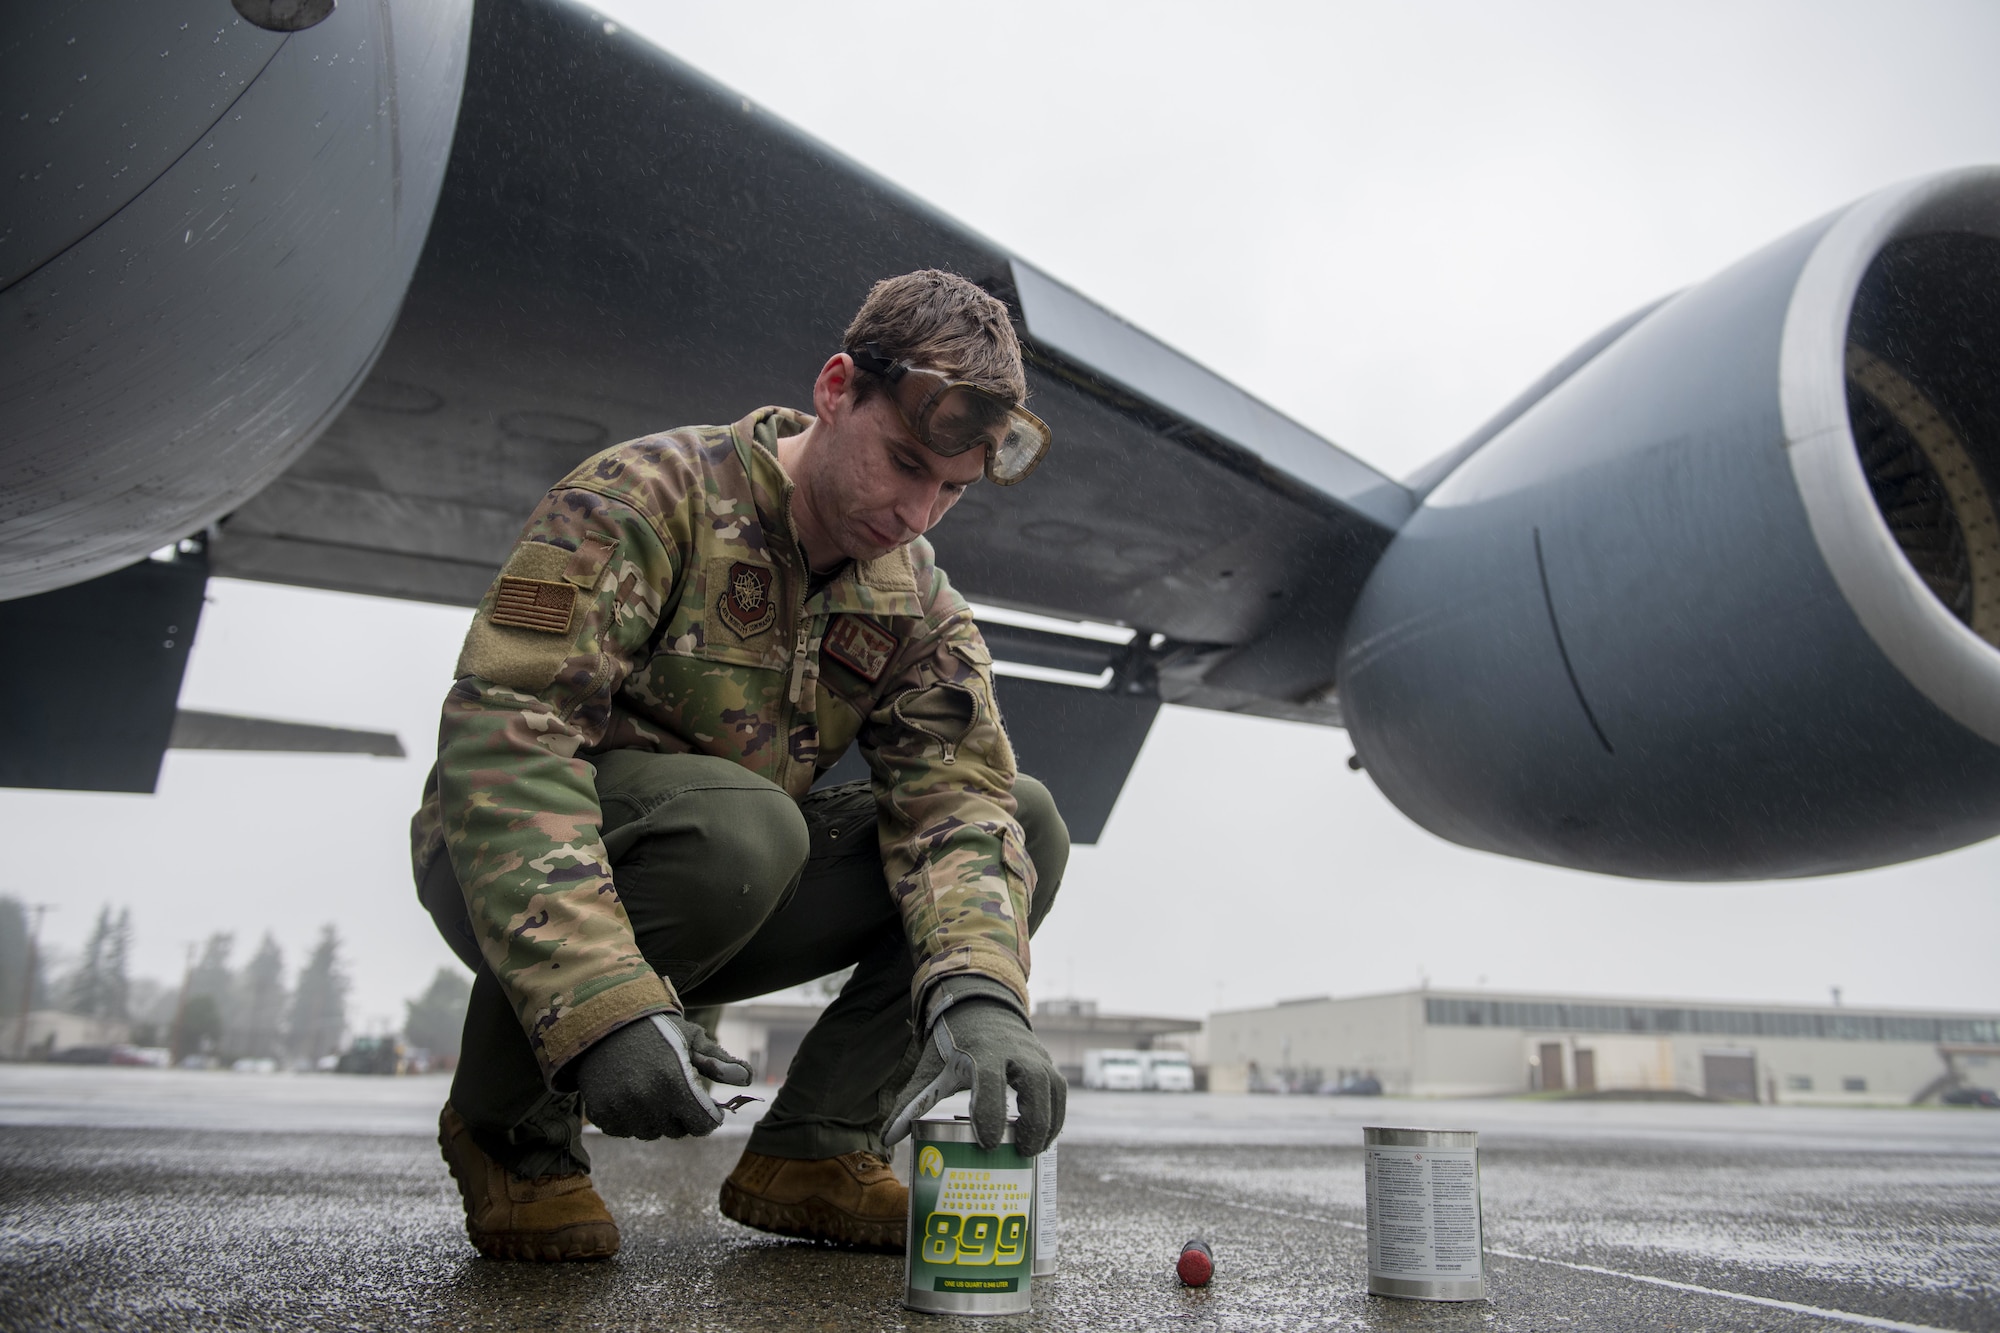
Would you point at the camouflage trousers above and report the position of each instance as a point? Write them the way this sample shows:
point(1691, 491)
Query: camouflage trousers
point(733, 890)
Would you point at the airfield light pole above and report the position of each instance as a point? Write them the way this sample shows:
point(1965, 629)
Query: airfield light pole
point(32, 962)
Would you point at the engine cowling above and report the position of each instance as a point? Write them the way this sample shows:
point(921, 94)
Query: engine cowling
point(1724, 604)
point(209, 228)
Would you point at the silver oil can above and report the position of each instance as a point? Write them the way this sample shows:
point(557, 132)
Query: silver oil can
point(1426, 1237)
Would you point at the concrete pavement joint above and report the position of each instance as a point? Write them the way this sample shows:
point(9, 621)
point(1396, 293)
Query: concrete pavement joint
point(1819, 1311)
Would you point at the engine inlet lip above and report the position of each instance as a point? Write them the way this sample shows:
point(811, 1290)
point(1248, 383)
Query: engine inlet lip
point(1952, 666)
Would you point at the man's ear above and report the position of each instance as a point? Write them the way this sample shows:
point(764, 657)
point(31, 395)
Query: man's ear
point(833, 391)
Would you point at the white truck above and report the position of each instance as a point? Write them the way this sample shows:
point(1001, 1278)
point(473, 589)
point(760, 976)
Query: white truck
point(1168, 1071)
point(1116, 1071)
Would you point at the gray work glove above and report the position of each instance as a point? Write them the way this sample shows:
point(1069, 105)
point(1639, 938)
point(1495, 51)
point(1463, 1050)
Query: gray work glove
point(643, 1081)
point(979, 1040)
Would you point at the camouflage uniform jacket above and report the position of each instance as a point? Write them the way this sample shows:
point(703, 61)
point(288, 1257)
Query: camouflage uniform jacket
point(658, 600)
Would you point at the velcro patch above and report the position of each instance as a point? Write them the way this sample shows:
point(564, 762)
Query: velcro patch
point(860, 645)
point(746, 603)
point(533, 604)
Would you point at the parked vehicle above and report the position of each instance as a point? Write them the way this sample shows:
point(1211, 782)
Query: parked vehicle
point(1168, 1071)
point(145, 1057)
point(1355, 1085)
point(1971, 1097)
point(81, 1055)
point(1116, 1071)
point(371, 1055)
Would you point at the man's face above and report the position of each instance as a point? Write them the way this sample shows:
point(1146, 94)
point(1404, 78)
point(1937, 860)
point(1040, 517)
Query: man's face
point(876, 486)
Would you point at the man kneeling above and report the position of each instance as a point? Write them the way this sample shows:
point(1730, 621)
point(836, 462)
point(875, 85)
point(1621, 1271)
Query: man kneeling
point(621, 829)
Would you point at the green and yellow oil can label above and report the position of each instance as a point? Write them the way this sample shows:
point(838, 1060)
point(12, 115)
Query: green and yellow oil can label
point(973, 1212)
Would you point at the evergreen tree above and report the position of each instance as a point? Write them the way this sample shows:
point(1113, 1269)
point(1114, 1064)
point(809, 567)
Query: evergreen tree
point(116, 969)
point(153, 1005)
point(260, 1002)
point(14, 966)
point(214, 982)
point(434, 1020)
point(212, 974)
point(319, 1003)
point(86, 991)
point(201, 1026)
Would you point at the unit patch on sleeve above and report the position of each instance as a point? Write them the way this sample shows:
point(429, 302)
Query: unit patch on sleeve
point(861, 645)
point(533, 604)
point(746, 604)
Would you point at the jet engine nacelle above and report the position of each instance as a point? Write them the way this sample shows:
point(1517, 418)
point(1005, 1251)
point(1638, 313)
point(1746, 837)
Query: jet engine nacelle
point(209, 224)
point(1724, 603)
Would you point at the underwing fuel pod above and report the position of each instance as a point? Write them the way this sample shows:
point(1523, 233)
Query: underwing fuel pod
point(1724, 602)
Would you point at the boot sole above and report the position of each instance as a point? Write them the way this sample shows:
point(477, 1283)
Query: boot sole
point(585, 1241)
point(812, 1219)
point(570, 1245)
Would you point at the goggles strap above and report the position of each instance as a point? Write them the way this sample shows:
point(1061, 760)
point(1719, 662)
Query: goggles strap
point(869, 357)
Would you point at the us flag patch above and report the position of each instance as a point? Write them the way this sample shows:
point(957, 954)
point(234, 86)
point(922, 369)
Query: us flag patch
point(533, 604)
point(860, 645)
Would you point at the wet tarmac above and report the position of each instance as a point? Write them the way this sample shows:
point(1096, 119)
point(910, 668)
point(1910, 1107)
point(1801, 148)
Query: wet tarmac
point(157, 1200)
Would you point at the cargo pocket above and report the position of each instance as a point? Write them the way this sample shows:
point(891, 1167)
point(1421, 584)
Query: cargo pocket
point(1014, 856)
point(944, 712)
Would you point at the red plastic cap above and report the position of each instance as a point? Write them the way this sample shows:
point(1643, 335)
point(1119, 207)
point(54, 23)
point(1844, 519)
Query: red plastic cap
point(1196, 1267)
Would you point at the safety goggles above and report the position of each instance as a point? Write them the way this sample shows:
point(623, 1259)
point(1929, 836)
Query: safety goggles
point(951, 416)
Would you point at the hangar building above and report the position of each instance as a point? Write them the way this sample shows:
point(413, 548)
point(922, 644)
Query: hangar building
point(1069, 1027)
point(1430, 1043)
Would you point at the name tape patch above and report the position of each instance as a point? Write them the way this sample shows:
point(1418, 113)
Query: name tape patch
point(533, 604)
point(860, 645)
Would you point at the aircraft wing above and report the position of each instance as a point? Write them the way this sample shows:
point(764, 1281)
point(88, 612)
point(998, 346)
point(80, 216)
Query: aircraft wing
point(1717, 598)
point(622, 246)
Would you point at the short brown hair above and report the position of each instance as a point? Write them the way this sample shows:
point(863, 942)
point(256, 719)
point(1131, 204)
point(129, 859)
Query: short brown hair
point(940, 321)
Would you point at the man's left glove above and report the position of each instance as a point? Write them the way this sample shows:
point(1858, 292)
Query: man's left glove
point(643, 1081)
point(979, 1040)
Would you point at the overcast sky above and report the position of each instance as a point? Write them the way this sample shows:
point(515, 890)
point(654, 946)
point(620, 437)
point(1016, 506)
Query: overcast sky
point(1383, 219)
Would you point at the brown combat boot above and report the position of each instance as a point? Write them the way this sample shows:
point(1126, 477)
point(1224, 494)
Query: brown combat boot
point(853, 1199)
point(549, 1218)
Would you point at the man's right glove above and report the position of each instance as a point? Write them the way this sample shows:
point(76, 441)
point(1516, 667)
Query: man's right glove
point(979, 1040)
point(642, 1081)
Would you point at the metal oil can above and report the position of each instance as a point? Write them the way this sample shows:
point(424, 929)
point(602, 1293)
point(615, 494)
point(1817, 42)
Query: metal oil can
point(1425, 1233)
point(972, 1218)
point(1045, 1212)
